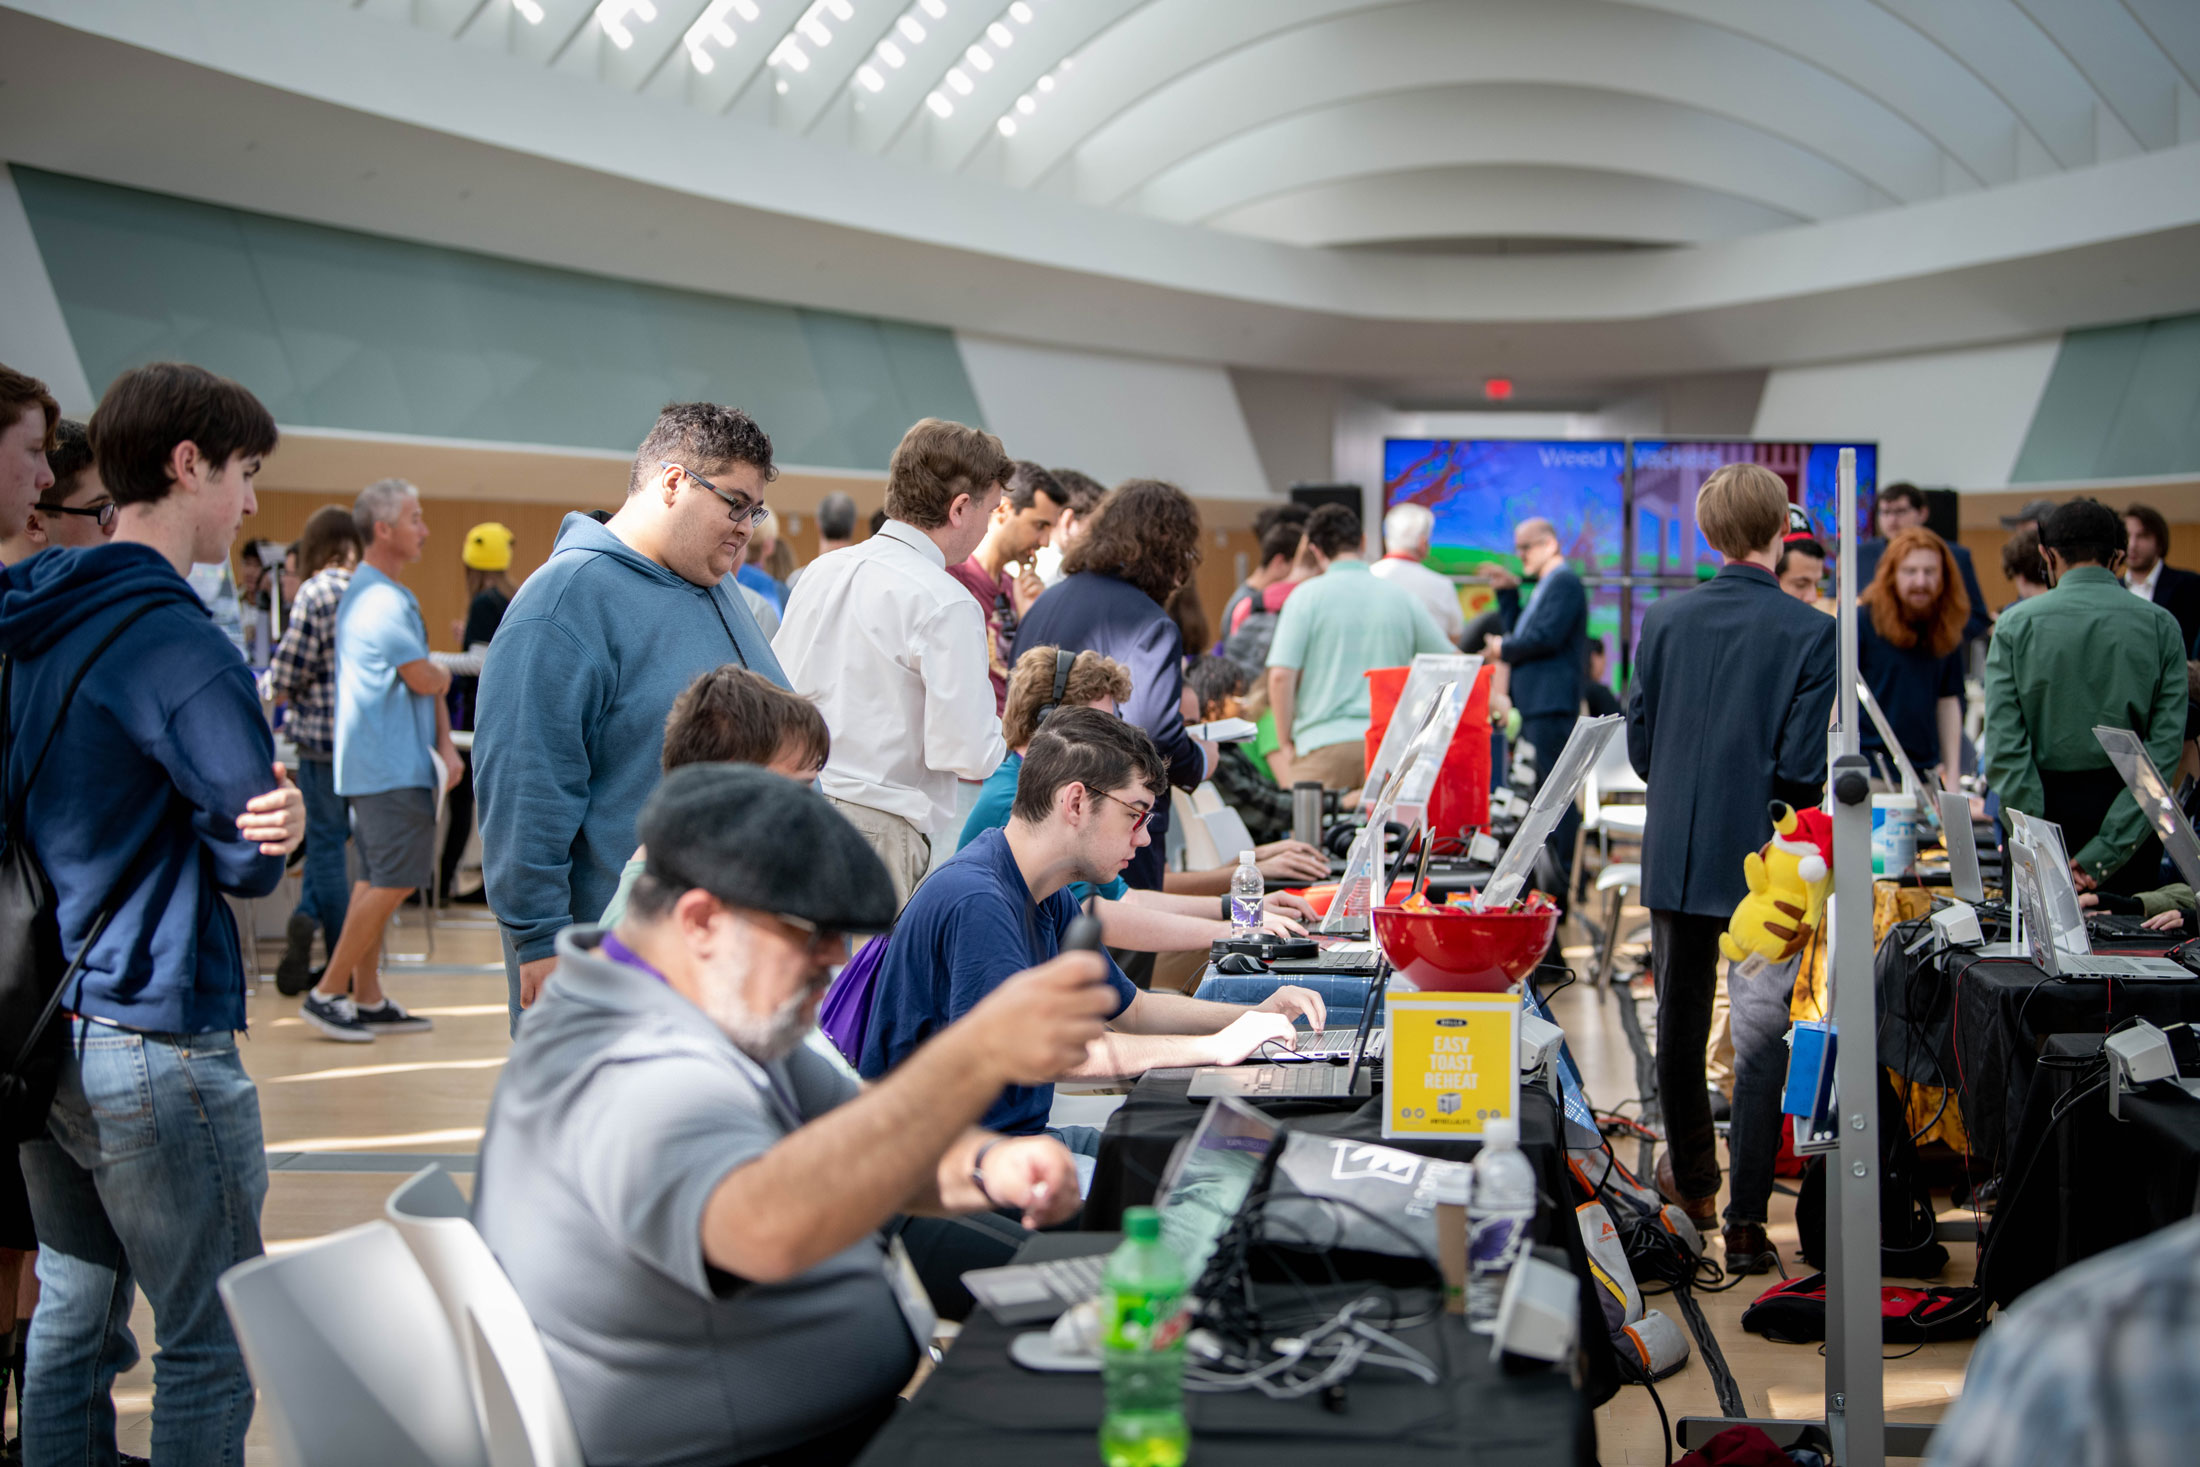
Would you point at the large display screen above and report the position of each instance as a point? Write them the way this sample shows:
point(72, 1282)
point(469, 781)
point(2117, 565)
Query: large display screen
point(1480, 488)
point(1668, 474)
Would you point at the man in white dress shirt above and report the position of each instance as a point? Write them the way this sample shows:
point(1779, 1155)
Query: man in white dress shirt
point(1406, 531)
point(892, 649)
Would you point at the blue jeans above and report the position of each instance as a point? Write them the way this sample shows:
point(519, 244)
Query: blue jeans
point(152, 1170)
point(328, 827)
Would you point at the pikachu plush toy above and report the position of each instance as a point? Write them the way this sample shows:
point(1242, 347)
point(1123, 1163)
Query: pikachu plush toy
point(1788, 880)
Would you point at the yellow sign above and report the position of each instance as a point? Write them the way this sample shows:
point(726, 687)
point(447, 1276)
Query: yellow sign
point(1453, 1063)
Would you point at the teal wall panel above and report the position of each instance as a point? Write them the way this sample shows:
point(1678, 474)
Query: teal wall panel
point(336, 329)
point(2122, 402)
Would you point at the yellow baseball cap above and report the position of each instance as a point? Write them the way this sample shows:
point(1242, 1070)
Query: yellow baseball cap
point(488, 547)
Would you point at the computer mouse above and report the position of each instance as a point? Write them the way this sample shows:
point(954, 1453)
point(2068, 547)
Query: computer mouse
point(1239, 963)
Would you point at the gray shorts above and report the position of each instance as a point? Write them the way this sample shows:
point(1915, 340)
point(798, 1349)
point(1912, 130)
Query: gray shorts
point(394, 834)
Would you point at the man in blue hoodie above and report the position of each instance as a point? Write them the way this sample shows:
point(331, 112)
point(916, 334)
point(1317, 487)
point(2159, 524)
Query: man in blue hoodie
point(591, 653)
point(162, 795)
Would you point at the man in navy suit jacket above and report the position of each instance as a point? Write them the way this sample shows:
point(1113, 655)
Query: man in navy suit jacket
point(2175, 591)
point(1546, 644)
point(1734, 685)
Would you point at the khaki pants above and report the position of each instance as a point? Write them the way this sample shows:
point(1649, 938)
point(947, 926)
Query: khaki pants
point(904, 848)
point(1338, 766)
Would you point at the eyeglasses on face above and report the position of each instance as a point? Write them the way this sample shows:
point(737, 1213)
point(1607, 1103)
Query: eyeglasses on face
point(1140, 814)
point(104, 512)
point(742, 511)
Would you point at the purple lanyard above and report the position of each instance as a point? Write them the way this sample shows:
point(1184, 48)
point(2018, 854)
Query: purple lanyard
point(619, 952)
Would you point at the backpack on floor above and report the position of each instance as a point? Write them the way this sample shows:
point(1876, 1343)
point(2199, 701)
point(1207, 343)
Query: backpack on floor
point(1794, 1313)
point(1908, 1236)
point(34, 973)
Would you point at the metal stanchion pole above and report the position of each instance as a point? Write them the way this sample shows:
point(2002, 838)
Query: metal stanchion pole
point(1855, 1379)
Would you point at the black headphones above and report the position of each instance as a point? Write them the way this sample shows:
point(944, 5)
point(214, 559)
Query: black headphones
point(1064, 660)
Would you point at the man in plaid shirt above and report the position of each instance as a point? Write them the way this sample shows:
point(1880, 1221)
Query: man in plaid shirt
point(2100, 1364)
point(303, 676)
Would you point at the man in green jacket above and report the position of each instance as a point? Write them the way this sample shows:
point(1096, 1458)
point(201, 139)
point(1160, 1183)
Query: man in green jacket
point(2086, 653)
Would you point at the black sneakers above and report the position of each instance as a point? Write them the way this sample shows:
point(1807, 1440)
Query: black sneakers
point(389, 1017)
point(294, 974)
point(335, 1018)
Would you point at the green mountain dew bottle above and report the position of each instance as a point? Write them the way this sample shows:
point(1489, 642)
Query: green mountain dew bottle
point(1142, 1325)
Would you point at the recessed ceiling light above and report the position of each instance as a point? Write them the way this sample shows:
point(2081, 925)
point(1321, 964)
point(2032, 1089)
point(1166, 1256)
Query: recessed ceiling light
point(1007, 125)
point(909, 26)
point(979, 57)
point(1046, 83)
point(780, 86)
point(1020, 12)
point(891, 54)
point(940, 105)
point(529, 11)
point(700, 60)
point(1001, 35)
point(814, 28)
point(841, 8)
point(958, 81)
point(934, 8)
point(872, 81)
point(1026, 105)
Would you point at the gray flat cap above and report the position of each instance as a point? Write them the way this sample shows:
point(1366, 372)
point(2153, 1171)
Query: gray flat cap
point(756, 839)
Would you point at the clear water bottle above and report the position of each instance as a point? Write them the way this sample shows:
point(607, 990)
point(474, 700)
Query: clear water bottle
point(1499, 1214)
point(1142, 1327)
point(1246, 889)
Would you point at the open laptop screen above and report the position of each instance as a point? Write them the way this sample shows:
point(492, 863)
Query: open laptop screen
point(2155, 801)
point(1210, 1179)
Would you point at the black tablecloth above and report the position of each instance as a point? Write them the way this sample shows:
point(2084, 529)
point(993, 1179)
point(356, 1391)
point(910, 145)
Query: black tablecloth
point(2003, 1008)
point(980, 1409)
point(1135, 1149)
point(2087, 1183)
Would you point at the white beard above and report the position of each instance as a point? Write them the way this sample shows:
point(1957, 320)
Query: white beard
point(764, 1039)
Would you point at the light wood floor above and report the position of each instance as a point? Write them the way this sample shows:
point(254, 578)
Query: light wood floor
point(327, 1105)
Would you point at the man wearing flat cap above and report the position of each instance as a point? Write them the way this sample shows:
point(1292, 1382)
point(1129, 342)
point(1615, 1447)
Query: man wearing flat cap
point(688, 1198)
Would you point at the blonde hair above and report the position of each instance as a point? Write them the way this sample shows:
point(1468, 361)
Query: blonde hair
point(1742, 509)
point(1031, 688)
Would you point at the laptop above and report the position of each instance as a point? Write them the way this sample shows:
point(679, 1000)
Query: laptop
point(1912, 783)
point(2054, 928)
point(1300, 1080)
point(1510, 876)
point(1335, 1045)
point(1964, 880)
point(1205, 1187)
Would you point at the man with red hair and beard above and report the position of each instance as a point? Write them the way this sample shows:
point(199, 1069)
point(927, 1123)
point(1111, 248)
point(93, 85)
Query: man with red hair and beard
point(1909, 652)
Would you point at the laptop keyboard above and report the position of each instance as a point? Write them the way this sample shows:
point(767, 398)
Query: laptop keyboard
point(1338, 1042)
point(1362, 960)
point(1073, 1279)
point(1294, 1080)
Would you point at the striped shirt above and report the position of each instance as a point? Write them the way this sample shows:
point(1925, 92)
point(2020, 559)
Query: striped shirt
point(303, 673)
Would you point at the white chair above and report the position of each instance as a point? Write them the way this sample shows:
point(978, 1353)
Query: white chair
point(1227, 829)
point(1601, 815)
point(517, 1392)
point(353, 1357)
point(1206, 798)
point(1199, 842)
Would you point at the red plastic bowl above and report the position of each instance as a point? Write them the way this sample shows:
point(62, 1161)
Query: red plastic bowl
point(1451, 949)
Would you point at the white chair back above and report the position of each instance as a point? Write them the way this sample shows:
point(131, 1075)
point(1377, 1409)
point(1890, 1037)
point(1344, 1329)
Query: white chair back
point(1612, 774)
point(1206, 798)
point(514, 1386)
point(1199, 843)
point(1227, 828)
point(353, 1357)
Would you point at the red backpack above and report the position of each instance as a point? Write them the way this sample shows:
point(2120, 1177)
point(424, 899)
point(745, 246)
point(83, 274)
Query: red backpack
point(1794, 1313)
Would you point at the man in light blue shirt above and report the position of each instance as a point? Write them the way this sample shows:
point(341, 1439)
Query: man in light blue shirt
point(394, 757)
point(1330, 634)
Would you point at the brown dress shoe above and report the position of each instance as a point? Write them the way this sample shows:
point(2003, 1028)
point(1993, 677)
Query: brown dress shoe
point(1748, 1250)
point(1702, 1211)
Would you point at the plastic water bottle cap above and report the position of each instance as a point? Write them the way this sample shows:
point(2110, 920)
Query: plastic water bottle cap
point(1501, 1131)
point(1245, 858)
point(1142, 1224)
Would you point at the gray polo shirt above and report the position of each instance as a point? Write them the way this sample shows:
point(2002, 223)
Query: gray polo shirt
point(621, 1108)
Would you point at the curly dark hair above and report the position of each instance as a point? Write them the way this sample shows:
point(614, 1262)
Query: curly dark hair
point(1147, 533)
point(1083, 490)
point(702, 436)
point(1334, 531)
point(1029, 479)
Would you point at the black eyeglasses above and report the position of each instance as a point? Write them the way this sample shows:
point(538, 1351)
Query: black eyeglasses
point(104, 513)
point(744, 511)
point(1140, 814)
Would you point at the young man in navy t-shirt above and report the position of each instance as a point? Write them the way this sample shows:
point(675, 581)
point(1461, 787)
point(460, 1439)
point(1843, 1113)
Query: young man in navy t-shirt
point(1000, 905)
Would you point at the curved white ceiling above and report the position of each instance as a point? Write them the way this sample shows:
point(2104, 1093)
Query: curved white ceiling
point(1364, 121)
